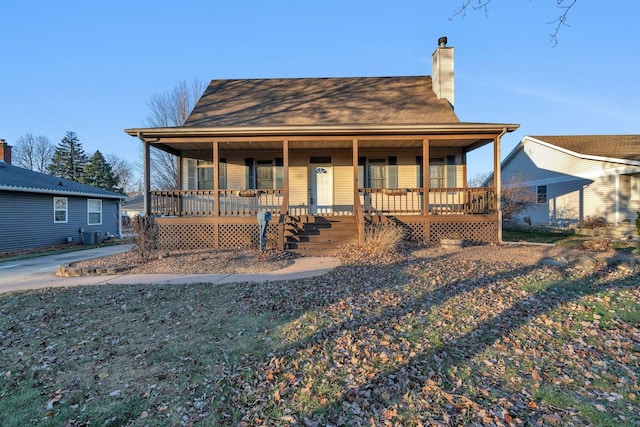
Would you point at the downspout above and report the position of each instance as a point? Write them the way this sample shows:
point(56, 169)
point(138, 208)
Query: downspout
point(497, 179)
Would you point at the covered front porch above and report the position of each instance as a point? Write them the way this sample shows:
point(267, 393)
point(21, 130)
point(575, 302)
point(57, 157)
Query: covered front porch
point(363, 179)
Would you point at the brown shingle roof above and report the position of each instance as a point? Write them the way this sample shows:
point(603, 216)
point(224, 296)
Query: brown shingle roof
point(615, 146)
point(320, 101)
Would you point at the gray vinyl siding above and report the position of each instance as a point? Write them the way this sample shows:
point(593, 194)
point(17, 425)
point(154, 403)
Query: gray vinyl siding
point(522, 167)
point(27, 220)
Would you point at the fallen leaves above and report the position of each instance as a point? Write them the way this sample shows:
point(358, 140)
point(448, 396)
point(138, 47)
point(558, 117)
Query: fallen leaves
point(444, 339)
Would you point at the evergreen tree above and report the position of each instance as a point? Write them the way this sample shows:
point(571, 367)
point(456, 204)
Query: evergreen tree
point(98, 172)
point(68, 158)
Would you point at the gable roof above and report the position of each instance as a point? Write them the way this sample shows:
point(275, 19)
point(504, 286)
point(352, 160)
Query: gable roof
point(14, 178)
point(320, 102)
point(625, 147)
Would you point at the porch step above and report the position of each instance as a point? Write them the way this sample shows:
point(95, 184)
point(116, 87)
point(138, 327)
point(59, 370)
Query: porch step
point(314, 235)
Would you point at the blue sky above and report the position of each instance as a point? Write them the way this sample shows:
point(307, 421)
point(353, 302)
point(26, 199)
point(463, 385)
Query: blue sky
point(91, 67)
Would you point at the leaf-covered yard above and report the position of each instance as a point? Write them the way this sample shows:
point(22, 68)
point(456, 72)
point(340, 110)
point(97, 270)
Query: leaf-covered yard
point(437, 340)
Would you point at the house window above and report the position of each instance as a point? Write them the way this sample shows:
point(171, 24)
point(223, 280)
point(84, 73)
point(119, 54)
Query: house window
point(635, 188)
point(377, 173)
point(265, 174)
point(60, 206)
point(442, 172)
point(94, 212)
point(200, 174)
point(542, 194)
point(381, 172)
point(205, 171)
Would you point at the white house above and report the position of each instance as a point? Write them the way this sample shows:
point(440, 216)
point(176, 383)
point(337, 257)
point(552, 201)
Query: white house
point(578, 176)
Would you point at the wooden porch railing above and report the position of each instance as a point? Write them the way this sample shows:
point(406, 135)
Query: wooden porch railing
point(372, 201)
point(442, 201)
point(205, 202)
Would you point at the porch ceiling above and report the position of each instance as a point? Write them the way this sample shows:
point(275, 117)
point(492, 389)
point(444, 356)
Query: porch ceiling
point(191, 145)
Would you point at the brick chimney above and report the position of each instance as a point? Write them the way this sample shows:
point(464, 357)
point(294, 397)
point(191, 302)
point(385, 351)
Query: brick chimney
point(442, 71)
point(5, 152)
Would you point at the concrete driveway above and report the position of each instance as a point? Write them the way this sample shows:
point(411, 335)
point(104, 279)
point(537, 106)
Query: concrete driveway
point(28, 273)
point(37, 273)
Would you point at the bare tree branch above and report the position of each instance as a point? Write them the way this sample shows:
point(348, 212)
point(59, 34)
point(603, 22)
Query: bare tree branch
point(33, 152)
point(123, 171)
point(561, 20)
point(170, 109)
point(462, 10)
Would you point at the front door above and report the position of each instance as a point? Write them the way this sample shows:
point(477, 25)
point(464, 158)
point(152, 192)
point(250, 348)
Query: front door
point(321, 191)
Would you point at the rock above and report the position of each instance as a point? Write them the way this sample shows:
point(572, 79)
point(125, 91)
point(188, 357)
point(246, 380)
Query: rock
point(584, 262)
point(557, 262)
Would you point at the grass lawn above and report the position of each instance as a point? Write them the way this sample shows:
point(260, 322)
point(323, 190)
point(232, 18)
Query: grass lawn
point(411, 343)
point(53, 250)
point(536, 236)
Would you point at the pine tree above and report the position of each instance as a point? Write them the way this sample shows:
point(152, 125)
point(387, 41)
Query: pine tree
point(98, 172)
point(68, 159)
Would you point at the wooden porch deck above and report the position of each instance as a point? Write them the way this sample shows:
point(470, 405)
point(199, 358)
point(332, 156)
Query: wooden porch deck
point(199, 219)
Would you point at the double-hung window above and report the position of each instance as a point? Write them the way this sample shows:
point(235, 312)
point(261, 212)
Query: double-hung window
point(542, 193)
point(94, 212)
point(265, 174)
point(378, 172)
point(442, 172)
point(60, 209)
point(200, 174)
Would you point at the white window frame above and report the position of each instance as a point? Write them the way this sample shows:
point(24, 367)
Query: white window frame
point(66, 210)
point(90, 211)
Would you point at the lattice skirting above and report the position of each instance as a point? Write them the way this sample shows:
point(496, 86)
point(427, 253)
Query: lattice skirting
point(246, 235)
point(202, 236)
point(472, 232)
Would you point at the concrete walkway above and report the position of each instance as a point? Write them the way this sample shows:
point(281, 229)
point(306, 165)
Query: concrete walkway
point(301, 268)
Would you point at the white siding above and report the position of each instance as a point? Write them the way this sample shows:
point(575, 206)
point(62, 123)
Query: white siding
point(577, 188)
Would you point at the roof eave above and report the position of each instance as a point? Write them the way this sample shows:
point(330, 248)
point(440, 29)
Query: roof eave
point(333, 130)
point(60, 192)
point(582, 155)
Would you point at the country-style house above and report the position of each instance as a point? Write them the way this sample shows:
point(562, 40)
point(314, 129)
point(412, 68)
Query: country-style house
point(326, 156)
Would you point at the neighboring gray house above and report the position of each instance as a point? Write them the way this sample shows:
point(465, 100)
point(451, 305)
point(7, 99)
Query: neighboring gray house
point(133, 206)
point(41, 210)
point(578, 176)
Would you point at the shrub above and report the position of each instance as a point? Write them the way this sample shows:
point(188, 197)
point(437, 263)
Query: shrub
point(638, 223)
point(382, 237)
point(593, 222)
point(145, 236)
